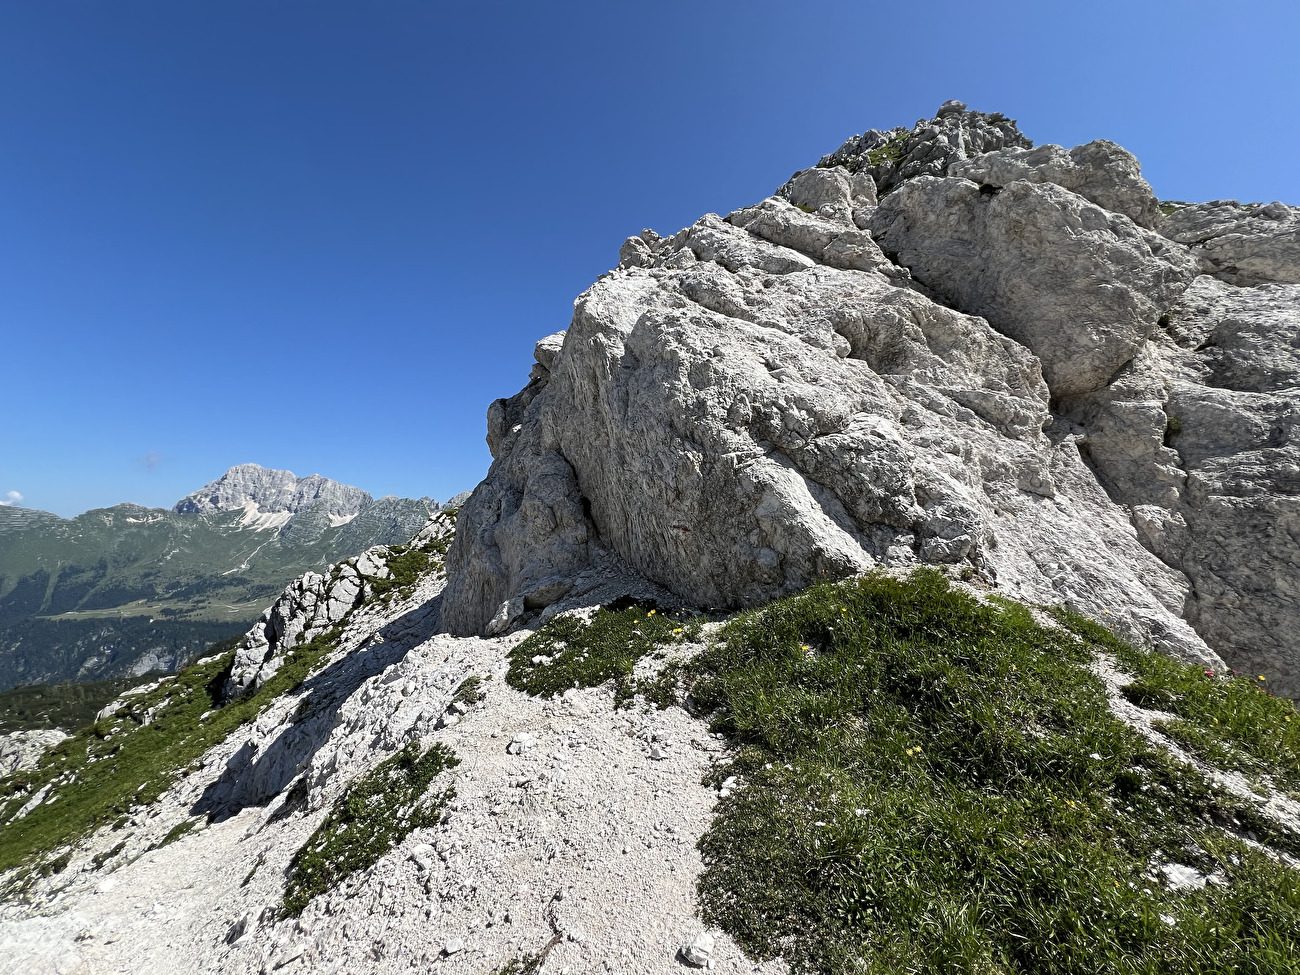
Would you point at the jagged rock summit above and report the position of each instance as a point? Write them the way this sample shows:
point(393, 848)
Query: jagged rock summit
point(273, 492)
point(940, 345)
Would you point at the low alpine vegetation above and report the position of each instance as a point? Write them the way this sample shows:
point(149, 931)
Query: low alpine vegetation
point(132, 757)
point(374, 815)
point(1228, 720)
point(931, 783)
point(408, 564)
point(569, 651)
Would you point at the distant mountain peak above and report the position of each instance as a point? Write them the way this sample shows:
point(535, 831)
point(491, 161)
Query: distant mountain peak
point(261, 490)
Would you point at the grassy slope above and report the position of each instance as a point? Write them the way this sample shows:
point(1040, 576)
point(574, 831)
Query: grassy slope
point(106, 770)
point(932, 784)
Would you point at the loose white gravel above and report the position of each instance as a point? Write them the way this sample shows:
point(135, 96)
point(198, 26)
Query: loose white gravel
point(589, 834)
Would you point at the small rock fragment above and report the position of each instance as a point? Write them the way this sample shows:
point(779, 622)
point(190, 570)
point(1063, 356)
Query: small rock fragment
point(699, 950)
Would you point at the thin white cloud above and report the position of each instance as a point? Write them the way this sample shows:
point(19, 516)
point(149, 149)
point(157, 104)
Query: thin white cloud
point(11, 499)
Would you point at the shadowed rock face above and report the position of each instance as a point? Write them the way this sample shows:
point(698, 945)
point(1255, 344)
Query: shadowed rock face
point(1011, 374)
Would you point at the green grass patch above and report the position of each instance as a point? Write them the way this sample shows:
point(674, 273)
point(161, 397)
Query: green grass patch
point(177, 831)
point(469, 691)
point(104, 771)
point(934, 784)
point(373, 816)
point(893, 151)
point(1228, 720)
point(570, 652)
point(408, 564)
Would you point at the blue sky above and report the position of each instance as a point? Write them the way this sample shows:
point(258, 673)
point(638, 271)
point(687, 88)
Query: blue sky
point(325, 236)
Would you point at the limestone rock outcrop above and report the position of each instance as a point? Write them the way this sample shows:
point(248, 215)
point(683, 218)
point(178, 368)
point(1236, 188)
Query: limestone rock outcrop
point(1255, 243)
point(941, 345)
point(23, 749)
point(314, 603)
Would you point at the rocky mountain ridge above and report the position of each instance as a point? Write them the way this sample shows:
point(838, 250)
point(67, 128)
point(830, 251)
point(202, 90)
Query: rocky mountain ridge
point(998, 364)
point(544, 739)
point(273, 492)
point(130, 589)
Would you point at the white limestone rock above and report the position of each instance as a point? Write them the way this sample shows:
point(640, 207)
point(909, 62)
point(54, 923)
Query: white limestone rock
point(1080, 287)
point(1243, 244)
point(21, 750)
point(313, 604)
point(927, 149)
point(1201, 436)
point(738, 423)
point(1100, 171)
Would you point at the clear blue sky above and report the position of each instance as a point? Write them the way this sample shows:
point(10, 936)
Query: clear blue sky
point(324, 236)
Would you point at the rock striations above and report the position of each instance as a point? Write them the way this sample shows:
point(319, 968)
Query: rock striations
point(941, 345)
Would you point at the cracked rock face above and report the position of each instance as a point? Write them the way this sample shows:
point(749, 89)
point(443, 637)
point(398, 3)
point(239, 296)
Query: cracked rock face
point(1246, 245)
point(1079, 286)
point(996, 365)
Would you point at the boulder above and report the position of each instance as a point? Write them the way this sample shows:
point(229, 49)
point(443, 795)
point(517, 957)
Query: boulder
point(1100, 171)
point(1080, 287)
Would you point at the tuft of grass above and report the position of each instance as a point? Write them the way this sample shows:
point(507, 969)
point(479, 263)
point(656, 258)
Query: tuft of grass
point(177, 831)
point(373, 816)
point(408, 564)
point(570, 652)
point(470, 690)
point(892, 151)
point(930, 783)
point(109, 768)
point(1227, 719)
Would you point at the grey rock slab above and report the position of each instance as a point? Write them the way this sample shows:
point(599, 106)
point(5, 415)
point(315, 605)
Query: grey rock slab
point(1080, 287)
point(1243, 244)
point(1199, 435)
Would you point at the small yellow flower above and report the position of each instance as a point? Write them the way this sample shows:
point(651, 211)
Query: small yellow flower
point(804, 646)
point(651, 613)
point(676, 631)
point(1288, 719)
point(1261, 676)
